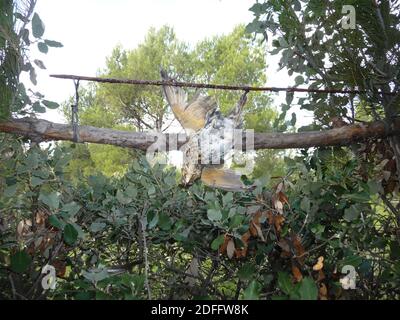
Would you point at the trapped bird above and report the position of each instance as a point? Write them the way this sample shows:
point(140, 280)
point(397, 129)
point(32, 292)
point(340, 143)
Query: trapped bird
point(211, 137)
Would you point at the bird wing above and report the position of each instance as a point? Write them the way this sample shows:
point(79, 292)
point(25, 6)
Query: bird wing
point(191, 115)
point(222, 178)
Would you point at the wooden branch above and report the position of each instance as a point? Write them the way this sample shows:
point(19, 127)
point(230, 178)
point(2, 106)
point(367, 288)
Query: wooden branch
point(211, 85)
point(45, 130)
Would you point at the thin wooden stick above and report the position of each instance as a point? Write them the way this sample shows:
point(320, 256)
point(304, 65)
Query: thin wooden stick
point(211, 86)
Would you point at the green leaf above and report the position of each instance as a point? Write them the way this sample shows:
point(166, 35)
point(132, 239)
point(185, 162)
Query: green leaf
point(352, 260)
point(317, 228)
point(25, 36)
point(310, 127)
point(97, 226)
point(70, 234)
point(55, 222)
point(37, 26)
point(255, 26)
point(20, 261)
point(308, 289)
point(164, 222)
point(394, 250)
point(227, 199)
point(39, 63)
point(283, 42)
point(50, 104)
point(153, 220)
point(293, 120)
point(247, 271)
point(358, 197)
point(122, 198)
point(236, 220)
point(217, 242)
point(38, 108)
point(299, 80)
point(19, 16)
point(84, 295)
point(305, 204)
point(276, 298)
point(131, 192)
point(289, 98)
point(71, 208)
point(214, 214)
point(32, 160)
point(50, 199)
point(54, 44)
point(373, 186)
point(351, 213)
point(151, 190)
point(32, 76)
point(257, 8)
point(296, 5)
point(252, 292)
point(284, 282)
point(35, 181)
point(81, 233)
point(10, 191)
point(43, 47)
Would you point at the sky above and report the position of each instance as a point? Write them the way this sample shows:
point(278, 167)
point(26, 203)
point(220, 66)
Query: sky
point(90, 29)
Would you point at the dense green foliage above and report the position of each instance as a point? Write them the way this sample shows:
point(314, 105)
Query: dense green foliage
point(115, 227)
point(15, 30)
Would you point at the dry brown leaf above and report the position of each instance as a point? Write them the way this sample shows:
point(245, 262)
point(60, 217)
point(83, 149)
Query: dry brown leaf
point(275, 220)
point(38, 242)
point(20, 228)
point(258, 230)
point(245, 237)
point(283, 198)
point(321, 276)
point(278, 206)
point(60, 267)
point(223, 246)
point(278, 222)
point(270, 217)
point(230, 249)
point(253, 230)
point(242, 252)
point(40, 218)
point(284, 244)
point(319, 265)
point(279, 187)
point(297, 273)
point(323, 292)
point(31, 249)
point(298, 247)
point(257, 216)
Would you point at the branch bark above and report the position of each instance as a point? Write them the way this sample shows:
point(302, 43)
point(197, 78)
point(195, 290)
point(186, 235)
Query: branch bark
point(44, 130)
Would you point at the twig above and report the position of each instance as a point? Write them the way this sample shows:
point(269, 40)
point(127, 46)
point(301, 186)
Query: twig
point(209, 85)
point(313, 249)
point(143, 224)
point(238, 288)
point(392, 208)
point(41, 275)
point(12, 286)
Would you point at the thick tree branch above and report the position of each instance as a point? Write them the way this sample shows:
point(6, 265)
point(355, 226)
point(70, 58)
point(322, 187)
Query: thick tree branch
point(44, 130)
